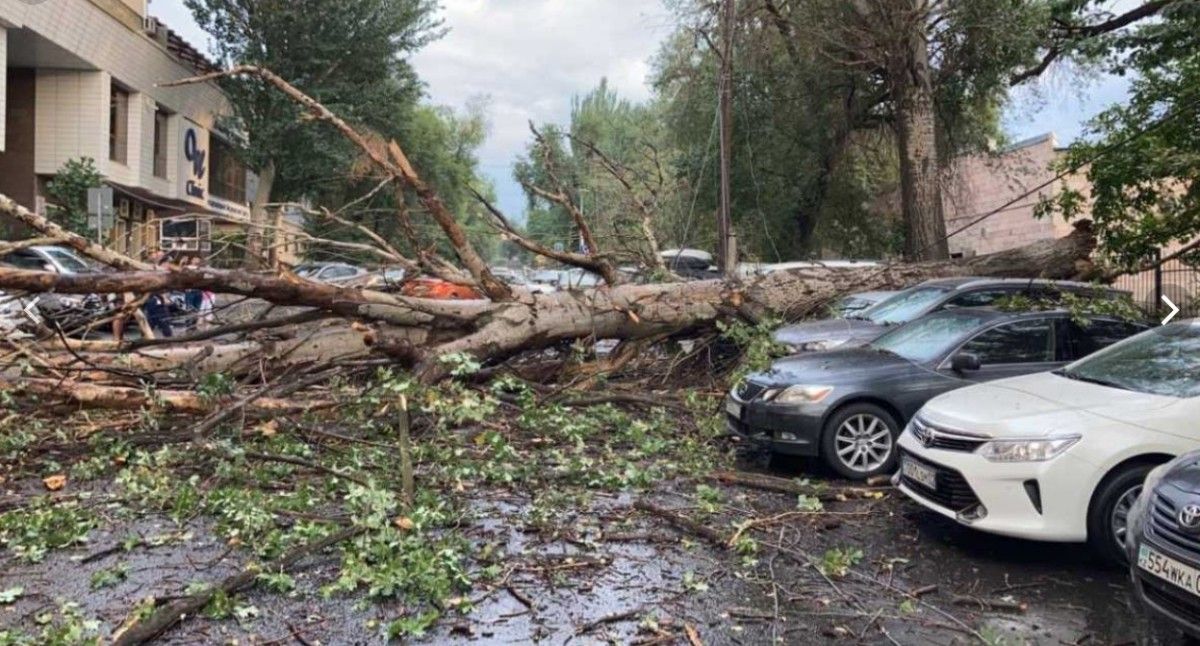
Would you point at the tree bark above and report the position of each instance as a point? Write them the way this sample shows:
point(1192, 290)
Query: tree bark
point(916, 128)
point(258, 218)
point(422, 330)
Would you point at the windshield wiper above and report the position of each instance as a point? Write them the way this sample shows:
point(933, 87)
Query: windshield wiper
point(1090, 380)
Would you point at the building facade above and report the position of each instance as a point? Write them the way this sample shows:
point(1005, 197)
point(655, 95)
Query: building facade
point(85, 78)
point(1006, 187)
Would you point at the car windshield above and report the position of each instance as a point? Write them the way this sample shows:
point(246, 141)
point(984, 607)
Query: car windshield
point(905, 306)
point(70, 263)
point(1162, 361)
point(928, 338)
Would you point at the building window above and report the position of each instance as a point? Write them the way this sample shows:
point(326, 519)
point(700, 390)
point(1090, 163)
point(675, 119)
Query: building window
point(228, 179)
point(160, 143)
point(186, 234)
point(118, 125)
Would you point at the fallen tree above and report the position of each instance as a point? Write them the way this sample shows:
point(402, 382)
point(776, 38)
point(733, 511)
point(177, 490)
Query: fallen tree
point(417, 332)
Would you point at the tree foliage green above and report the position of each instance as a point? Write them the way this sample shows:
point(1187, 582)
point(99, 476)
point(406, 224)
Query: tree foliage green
point(1142, 158)
point(352, 56)
point(68, 193)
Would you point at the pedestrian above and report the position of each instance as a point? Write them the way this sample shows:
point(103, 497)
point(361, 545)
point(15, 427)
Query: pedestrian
point(157, 305)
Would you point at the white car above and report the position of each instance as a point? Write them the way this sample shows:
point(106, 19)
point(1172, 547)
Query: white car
point(1059, 456)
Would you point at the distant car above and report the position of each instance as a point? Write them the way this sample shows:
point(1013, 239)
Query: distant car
point(848, 405)
point(930, 296)
point(690, 263)
point(1163, 548)
point(66, 311)
point(1062, 456)
point(428, 287)
point(378, 279)
point(329, 272)
point(59, 260)
point(855, 303)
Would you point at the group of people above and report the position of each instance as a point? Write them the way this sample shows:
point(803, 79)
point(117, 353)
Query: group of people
point(164, 311)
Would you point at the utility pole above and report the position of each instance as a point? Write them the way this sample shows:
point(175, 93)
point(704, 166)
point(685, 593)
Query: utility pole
point(727, 240)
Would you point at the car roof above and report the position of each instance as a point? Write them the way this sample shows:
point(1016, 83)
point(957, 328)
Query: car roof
point(971, 282)
point(993, 314)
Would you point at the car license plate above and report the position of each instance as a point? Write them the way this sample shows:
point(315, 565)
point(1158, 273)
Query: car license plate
point(1168, 569)
point(734, 409)
point(919, 472)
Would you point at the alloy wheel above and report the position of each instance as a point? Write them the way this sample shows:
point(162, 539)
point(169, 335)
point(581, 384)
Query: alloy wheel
point(1120, 514)
point(863, 442)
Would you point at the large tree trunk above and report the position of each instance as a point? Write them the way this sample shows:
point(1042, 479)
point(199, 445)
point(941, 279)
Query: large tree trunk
point(916, 128)
point(258, 218)
point(421, 331)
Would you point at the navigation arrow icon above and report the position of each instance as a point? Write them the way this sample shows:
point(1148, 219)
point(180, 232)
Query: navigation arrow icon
point(1174, 309)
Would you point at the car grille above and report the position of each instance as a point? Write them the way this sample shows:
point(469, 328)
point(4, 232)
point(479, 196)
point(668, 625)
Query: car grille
point(953, 492)
point(1171, 599)
point(932, 437)
point(749, 391)
point(1165, 528)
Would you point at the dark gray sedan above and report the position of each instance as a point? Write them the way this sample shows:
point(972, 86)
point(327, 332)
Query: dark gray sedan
point(930, 296)
point(849, 405)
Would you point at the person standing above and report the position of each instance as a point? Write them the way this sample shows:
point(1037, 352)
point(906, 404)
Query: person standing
point(156, 307)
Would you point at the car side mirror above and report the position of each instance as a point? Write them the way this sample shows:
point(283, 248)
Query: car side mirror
point(964, 361)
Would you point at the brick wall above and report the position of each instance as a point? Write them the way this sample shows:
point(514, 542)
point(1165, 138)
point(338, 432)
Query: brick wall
point(980, 184)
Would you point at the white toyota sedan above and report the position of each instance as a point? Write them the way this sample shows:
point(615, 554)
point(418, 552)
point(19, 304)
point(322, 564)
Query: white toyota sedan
point(1059, 456)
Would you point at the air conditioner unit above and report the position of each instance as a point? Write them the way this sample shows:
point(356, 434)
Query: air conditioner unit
point(155, 29)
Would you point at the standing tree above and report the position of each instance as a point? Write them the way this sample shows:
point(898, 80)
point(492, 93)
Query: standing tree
point(1142, 158)
point(68, 193)
point(348, 54)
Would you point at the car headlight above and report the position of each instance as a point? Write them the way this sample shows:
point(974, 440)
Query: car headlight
point(1038, 450)
point(802, 394)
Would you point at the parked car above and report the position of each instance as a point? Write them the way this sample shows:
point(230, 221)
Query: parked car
point(1060, 456)
point(690, 263)
point(856, 303)
point(385, 278)
point(66, 311)
point(849, 405)
point(1163, 548)
point(429, 287)
point(329, 272)
point(915, 302)
point(59, 260)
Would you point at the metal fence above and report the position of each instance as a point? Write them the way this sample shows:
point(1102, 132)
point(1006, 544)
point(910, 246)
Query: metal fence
point(1177, 279)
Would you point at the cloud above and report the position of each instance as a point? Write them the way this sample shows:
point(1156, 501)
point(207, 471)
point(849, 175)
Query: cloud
point(529, 57)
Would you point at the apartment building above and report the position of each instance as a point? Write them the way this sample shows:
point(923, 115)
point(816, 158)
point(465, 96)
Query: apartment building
point(84, 78)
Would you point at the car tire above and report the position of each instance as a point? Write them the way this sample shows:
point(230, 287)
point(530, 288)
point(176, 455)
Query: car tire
point(1108, 513)
point(865, 422)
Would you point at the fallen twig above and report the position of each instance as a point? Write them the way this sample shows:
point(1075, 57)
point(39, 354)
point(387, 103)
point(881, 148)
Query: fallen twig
point(143, 631)
point(683, 522)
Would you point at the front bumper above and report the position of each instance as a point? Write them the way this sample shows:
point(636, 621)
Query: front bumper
point(786, 430)
point(1163, 599)
point(1009, 493)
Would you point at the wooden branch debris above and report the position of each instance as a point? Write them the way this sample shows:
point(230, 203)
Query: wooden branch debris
point(135, 631)
point(91, 395)
point(683, 522)
point(788, 486)
point(390, 159)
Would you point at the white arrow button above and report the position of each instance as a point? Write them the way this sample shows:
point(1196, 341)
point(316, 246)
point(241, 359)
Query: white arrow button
point(1174, 309)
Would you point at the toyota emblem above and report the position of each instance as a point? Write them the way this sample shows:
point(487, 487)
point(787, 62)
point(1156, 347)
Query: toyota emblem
point(930, 437)
point(1189, 517)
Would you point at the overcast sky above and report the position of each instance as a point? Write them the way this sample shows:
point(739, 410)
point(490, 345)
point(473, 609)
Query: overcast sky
point(529, 57)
